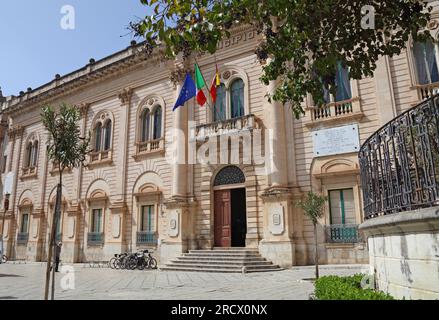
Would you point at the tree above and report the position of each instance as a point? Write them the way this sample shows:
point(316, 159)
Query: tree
point(67, 149)
point(313, 208)
point(305, 40)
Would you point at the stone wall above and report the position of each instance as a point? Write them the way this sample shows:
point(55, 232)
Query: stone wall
point(404, 253)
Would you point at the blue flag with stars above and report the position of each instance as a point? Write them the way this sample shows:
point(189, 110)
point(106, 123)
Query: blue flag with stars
point(188, 91)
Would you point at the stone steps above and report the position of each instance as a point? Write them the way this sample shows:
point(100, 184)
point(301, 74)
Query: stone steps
point(228, 260)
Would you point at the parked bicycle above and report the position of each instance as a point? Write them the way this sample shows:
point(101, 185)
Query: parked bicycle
point(130, 261)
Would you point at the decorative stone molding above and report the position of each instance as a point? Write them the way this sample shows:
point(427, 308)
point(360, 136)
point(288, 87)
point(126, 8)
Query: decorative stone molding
point(16, 132)
point(38, 212)
point(178, 75)
point(83, 109)
point(98, 195)
point(276, 194)
point(180, 202)
point(125, 96)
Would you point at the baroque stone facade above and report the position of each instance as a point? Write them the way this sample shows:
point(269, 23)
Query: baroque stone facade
point(131, 195)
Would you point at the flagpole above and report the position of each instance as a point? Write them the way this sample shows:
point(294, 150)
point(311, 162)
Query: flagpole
point(212, 109)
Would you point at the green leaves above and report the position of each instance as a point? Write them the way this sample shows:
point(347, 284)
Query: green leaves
point(65, 145)
point(309, 38)
point(313, 206)
point(346, 288)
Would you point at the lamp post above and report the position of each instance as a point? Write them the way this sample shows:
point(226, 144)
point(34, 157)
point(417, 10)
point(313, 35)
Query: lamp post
point(6, 208)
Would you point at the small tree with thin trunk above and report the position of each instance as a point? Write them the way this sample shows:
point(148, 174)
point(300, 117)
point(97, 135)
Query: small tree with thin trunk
point(67, 149)
point(313, 208)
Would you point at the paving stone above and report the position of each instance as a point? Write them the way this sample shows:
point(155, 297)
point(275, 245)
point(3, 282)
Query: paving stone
point(26, 281)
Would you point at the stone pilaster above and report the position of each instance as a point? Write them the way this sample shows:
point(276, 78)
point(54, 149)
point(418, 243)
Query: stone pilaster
point(122, 146)
point(16, 133)
point(385, 96)
point(180, 208)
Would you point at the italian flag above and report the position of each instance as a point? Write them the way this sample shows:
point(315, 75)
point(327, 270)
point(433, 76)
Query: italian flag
point(199, 81)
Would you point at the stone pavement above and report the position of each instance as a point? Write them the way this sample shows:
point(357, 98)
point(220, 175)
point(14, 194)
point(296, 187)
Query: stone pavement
point(25, 281)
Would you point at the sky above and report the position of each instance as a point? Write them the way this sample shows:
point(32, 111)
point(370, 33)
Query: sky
point(37, 42)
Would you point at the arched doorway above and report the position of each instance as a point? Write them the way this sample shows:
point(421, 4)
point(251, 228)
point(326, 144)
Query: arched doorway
point(230, 211)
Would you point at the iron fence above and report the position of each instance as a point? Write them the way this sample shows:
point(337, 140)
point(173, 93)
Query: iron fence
point(399, 163)
point(146, 238)
point(95, 238)
point(343, 233)
point(22, 238)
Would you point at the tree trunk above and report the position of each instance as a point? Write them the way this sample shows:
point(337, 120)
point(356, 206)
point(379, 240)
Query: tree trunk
point(316, 258)
point(57, 219)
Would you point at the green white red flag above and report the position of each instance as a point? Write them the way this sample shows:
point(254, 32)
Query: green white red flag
point(199, 81)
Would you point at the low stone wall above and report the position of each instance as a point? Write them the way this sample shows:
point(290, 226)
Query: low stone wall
point(346, 253)
point(404, 253)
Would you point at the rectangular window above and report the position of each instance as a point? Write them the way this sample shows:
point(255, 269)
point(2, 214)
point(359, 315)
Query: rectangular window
point(342, 206)
point(426, 62)
point(147, 218)
point(96, 220)
point(24, 223)
point(343, 84)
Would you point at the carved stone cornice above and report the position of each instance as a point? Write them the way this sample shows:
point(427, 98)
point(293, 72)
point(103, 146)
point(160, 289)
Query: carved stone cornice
point(176, 202)
point(83, 109)
point(125, 96)
point(276, 193)
point(16, 132)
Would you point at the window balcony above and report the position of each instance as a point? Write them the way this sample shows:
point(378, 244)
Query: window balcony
point(342, 233)
point(333, 112)
point(146, 238)
point(22, 238)
point(427, 91)
point(28, 172)
point(95, 238)
point(99, 157)
point(227, 127)
point(149, 147)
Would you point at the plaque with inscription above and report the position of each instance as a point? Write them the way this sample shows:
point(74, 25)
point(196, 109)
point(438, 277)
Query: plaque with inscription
point(336, 140)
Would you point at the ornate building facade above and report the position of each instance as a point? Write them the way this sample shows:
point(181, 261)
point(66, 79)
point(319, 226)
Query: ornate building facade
point(132, 195)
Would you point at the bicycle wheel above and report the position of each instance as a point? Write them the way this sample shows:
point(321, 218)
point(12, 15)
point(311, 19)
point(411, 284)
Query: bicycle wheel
point(152, 263)
point(141, 264)
point(112, 263)
point(132, 264)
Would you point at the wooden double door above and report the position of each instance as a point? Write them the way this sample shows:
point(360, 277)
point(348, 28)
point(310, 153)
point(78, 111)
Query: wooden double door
point(230, 218)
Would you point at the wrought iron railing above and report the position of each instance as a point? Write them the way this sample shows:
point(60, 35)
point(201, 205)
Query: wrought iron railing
point(400, 162)
point(343, 233)
point(22, 238)
point(146, 238)
point(95, 238)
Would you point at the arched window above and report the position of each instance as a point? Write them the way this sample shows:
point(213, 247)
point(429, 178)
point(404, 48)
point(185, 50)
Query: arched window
point(219, 113)
point(157, 134)
point(34, 154)
point(28, 155)
point(107, 139)
point(426, 62)
point(146, 125)
point(98, 137)
point(229, 175)
point(237, 98)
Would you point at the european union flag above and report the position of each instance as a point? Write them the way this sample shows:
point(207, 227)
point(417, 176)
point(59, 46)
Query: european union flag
point(188, 91)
